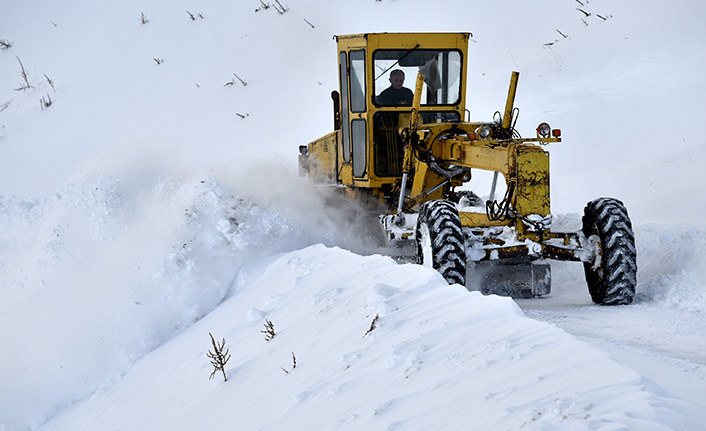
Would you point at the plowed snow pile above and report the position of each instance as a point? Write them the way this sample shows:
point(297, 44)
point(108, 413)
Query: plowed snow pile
point(101, 274)
point(377, 346)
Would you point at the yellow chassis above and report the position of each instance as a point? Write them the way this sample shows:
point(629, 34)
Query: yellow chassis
point(523, 163)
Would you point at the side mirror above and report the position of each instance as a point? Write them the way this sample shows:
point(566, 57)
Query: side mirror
point(336, 97)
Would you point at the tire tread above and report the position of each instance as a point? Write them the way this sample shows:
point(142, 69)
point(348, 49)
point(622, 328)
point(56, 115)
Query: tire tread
point(608, 218)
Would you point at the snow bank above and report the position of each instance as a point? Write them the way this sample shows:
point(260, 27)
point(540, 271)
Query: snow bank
point(377, 346)
point(673, 267)
point(103, 273)
point(113, 266)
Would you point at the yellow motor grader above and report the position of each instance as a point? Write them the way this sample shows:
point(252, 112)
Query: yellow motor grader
point(412, 156)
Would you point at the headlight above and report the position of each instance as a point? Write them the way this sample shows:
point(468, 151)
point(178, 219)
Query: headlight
point(543, 130)
point(483, 131)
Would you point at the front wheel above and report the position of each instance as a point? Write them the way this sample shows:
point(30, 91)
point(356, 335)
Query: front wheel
point(612, 275)
point(440, 241)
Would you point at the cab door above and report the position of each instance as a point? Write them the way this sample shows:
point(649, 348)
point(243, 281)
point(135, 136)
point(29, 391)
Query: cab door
point(345, 173)
point(353, 122)
point(358, 107)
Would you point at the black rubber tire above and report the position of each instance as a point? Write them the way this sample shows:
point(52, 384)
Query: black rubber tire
point(440, 241)
point(612, 277)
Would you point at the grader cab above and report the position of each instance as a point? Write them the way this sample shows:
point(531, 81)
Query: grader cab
point(410, 154)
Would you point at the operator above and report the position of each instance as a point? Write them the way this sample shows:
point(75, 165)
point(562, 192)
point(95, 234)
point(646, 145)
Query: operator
point(396, 94)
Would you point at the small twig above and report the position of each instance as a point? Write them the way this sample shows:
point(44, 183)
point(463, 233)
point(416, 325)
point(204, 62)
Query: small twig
point(143, 18)
point(191, 15)
point(50, 81)
point(232, 81)
point(241, 115)
point(45, 103)
point(307, 21)
point(24, 77)
point(279, 8)
point(294, 364)
point(562, 34)
point(583, 12)
point(601, 17)
point(372, 325)
point(4, 44)
point(239, 79)
point(158, 60)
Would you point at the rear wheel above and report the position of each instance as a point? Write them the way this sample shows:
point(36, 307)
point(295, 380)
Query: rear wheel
point(612, 276)
point(440, 241)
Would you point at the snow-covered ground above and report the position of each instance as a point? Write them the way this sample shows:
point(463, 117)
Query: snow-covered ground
point(377, 345)
point(662, 335)
point(153, 202)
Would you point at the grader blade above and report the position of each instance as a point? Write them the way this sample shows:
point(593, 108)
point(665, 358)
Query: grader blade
point(517, 278)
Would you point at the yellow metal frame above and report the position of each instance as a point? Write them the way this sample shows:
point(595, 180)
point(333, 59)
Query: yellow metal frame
point(371, 42)
point(523, 162)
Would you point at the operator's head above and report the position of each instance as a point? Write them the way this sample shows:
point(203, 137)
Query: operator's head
point(397, 78)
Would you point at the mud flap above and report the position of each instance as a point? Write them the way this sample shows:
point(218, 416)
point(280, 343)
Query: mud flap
point(518, 278)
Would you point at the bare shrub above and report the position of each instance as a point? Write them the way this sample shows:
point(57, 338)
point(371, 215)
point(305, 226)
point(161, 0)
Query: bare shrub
point(218, 357)
point(269, 330)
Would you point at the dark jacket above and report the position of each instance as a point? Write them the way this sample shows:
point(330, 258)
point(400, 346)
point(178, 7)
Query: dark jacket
point(394, 96)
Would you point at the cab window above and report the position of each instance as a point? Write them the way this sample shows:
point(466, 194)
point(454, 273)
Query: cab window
point(357, 59)
point(396, 73)
point(345, 126)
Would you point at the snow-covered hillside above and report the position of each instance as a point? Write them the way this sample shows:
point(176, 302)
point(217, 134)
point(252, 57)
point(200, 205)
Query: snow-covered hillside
point(156, 186)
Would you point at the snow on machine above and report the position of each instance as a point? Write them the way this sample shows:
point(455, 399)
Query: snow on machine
point(410, 155)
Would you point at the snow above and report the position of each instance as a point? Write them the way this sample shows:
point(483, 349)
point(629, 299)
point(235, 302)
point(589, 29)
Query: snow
point(438, 356)
point(141, 212)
